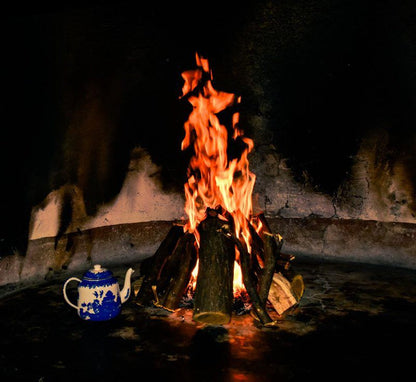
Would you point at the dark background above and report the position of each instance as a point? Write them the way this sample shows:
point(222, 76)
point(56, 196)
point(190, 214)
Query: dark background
point(83, 84)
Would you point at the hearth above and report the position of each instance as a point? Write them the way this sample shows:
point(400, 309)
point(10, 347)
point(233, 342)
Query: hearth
point(308, 276)
point(349, 319)
point(221, 238)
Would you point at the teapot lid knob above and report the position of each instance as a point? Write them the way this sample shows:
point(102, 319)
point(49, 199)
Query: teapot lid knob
point(98, 273)
point(97, 268)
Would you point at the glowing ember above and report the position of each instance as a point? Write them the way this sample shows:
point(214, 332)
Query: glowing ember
point(215, 180)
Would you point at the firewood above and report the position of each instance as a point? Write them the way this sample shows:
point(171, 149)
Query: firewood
point(298, 286)
point(261, 218)
point(283, 262)
point(249, 283)
point(257, 251)
point(152, 266)
point(179, 277)
point(214, 287)
point(281, 295)
point(257, 243)
point(172, 264)
point(257, 246)
point(272, 245)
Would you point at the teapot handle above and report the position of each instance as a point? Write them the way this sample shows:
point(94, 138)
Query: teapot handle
point(64, 290)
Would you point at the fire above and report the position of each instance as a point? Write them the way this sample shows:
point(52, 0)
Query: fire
point(214, 179)
point(238, 285)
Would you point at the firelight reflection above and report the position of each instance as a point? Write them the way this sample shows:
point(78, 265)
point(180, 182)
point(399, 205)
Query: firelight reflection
point(223, 353)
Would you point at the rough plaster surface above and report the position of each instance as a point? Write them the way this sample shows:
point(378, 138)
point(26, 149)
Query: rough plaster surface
point(141, 199)
point(376, 189)
point(373, 189)
point(368, 193)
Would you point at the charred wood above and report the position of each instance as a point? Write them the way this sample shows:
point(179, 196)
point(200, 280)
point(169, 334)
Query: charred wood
point(261, 218)
point(152, 266)
point(214, 288)
point(248, 280)
point(185, 251)
point(272, 246)
point(257, 244)
point(171, 265)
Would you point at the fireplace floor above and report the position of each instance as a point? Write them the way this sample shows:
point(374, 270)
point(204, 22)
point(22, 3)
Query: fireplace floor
point(354, 322)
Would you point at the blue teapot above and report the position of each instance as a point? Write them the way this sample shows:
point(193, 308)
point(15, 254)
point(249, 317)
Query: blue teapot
point(99, 295)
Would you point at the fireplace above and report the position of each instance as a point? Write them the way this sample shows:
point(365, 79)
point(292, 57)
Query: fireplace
point(95, 173)
point(327, 107)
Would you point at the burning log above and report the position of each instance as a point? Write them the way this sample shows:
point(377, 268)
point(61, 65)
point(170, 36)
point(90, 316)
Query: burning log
point(182, 264)
point(220, 231)
point(152, 266)
point(249, 282)
point(169, 272)
point(283, 260)
point(214, 288)
point(257, 241)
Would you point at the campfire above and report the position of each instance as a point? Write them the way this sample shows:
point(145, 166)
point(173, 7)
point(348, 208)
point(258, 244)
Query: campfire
point(223, 251)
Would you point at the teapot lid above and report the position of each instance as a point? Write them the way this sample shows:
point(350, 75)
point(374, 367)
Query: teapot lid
point(98, 273)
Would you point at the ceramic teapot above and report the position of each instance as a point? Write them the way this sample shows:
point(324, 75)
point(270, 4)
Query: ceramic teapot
point(99, 295)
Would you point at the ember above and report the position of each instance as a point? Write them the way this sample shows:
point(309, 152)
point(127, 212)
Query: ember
point(222, 252)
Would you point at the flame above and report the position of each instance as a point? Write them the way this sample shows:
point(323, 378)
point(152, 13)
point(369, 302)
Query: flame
point(214, 179)
point(238, 284)
point(194, 276)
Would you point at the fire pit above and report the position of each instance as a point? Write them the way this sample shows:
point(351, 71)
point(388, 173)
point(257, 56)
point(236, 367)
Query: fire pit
point(223, 247)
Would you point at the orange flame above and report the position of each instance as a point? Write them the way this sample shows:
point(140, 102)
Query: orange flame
point(238, 285)
point(214, 180)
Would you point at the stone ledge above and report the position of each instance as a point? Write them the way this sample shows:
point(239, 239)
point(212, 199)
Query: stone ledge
point(78, 251)
point(363, 241)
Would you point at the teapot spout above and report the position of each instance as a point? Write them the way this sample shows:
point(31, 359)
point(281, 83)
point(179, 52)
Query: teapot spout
point(126, 291)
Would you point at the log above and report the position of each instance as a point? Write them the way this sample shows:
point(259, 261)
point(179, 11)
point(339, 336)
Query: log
point(256, 241)
point(257, 244)
point(179, 276)
point(298, 286)
point(171, 265)
point(214, 287)
point(257, 253)
point(281, 295)
point(249, 283)
point(262, 218)
point(283, 260)
point(272, 245)
point(152, 266)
